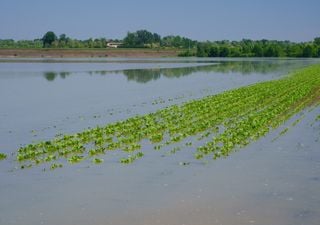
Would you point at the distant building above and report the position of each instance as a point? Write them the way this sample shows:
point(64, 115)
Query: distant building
point(113, 44)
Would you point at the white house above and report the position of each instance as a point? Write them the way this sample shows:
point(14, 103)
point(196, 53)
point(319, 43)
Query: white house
point(113, 44)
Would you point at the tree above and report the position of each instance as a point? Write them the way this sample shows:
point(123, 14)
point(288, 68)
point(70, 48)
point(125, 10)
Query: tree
point(62, 37)
point(130, 40)
point(224, 51)
point(203, 49)
point(295, 50)
point(62, 43)
point(235, 52)
point(156, 37)
point(214, 51)
point(257, 50)
point(48, 39)
point(141, 38)
point(246, 47)
point(316, 41)
point(270, 51)
point(307, 51)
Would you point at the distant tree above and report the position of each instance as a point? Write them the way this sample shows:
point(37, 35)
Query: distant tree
point(147, 39)
point(235, 51)
point(294, 50)
point(224, 51)
point(203, 49)
point(257, 50)
point(316, 41)
point(48, 39)
point(156, 37)
point(246, 47)
point(214, 51)
point(130, 40)
point(62, 41)
point(141, 38)
point(269, 51)
point(62, 37)
point(144, 37)
point(307, 51)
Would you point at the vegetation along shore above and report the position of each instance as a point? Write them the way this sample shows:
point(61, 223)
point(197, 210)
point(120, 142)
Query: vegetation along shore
point(143, 43)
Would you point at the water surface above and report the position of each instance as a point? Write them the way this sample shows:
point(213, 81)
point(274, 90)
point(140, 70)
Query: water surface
point(269, 182)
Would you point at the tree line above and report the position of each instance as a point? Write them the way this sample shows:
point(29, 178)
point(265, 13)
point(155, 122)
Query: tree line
point(259, 48)
point(138, 39)
point(51, 40)
point(147, 39)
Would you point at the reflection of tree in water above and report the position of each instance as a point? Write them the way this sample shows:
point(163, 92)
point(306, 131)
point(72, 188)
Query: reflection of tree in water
point(51, 76)
point(143, 75)
point(259, 67)
point(63, 75)
point(242, 67)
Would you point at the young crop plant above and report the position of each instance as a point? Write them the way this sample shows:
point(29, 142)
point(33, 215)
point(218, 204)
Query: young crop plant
point(3, 156)
point(222, 123)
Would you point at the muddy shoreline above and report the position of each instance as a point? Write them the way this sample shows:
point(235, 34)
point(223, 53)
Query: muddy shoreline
point(87, 53)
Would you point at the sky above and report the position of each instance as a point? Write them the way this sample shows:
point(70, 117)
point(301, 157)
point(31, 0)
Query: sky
point(294, 20)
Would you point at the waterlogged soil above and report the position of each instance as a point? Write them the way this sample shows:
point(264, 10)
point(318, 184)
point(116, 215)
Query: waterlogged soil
point(272, 181)
point(86, 53)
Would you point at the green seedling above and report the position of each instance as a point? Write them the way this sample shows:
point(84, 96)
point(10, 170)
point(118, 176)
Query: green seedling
point(2, 156)
point(97, 161)
point(226, 121)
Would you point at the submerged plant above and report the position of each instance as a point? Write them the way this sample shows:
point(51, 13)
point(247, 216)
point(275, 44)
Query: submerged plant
point(97, 161)
point(131, 158)
point(55, 166)
point(2, 156)
point(216, 125)
point(75, 159)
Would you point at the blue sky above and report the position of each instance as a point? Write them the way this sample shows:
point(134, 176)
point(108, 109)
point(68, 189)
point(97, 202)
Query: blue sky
point(295, 20)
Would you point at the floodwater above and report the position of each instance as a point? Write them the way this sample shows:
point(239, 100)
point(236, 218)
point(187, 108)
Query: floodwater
point(268, 182)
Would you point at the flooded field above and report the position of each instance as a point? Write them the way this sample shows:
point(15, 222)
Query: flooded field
point(274, 180)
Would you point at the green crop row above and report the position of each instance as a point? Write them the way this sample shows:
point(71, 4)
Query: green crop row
point(2, 156)
point(226, 121)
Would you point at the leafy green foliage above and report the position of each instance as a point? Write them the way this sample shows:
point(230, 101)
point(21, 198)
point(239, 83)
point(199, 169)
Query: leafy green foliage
point(144, 38)
point(225, 122)
point(2, 156)
point(178, 42)
point(10, 43)
point(75, 159)
point(260, 48)
point(141, 39)
point(55, 166)
point(131, 158)
point(48, 39)
point(97, 161)
point(147, 39)
point(187, 53)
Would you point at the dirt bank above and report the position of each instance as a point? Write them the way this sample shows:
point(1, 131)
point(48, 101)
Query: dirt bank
point(85, 53)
